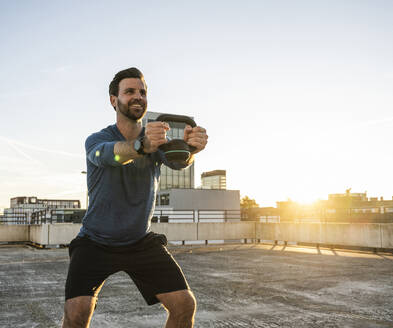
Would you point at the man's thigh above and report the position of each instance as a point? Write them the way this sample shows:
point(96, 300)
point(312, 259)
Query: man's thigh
point(88, 269)
point(154, 270)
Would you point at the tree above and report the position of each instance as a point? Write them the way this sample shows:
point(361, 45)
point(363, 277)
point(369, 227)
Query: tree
point(246, 203)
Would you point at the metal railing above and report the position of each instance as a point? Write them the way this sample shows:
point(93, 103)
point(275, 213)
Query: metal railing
point(226, 215)
point(162, 216)
point(216, 215)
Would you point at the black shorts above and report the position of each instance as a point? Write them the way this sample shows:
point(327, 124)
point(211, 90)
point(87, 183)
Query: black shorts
point(147, 262)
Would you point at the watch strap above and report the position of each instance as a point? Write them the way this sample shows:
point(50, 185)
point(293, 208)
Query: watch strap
point(140, 149)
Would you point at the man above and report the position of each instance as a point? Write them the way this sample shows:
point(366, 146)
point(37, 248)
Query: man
point(123, 171)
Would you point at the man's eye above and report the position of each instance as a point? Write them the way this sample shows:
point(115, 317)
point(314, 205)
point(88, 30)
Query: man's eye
point(143, 92)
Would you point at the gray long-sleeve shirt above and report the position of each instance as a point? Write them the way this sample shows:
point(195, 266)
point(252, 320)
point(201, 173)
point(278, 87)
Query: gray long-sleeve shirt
point(121, 197)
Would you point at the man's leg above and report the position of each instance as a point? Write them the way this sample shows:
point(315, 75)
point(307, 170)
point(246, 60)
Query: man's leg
point(181, 306)
point(78, 311)
point(88, 269)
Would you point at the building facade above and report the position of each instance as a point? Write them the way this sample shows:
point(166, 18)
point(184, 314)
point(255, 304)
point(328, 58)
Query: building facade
point(216, 179)
point(26, 209)
point(177, 194)
point(194, 205)
point(198, 199)
point(340, 207)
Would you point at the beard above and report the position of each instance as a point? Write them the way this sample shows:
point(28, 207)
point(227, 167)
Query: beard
point(127, 111)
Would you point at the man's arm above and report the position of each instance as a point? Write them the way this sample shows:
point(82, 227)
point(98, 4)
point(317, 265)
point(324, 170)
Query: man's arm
point(125, 152)
point(102, 151)
point(155, 136)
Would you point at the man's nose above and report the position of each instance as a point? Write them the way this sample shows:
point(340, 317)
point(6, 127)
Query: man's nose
point(138, 95)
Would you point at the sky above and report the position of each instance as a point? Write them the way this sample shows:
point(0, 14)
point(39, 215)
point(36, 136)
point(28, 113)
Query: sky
point(296, 96)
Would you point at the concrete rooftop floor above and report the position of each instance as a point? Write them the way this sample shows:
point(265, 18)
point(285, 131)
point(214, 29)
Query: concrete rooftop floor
point(235, 285)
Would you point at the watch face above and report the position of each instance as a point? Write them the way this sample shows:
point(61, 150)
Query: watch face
point(137, 144)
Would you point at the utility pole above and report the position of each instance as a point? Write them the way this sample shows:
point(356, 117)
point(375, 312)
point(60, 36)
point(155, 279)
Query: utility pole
point(87, 193)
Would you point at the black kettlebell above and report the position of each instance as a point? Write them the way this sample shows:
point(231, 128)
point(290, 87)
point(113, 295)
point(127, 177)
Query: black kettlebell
point(177, 150)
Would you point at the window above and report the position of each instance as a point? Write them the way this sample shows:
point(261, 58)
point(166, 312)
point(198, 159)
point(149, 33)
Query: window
point(175, 179)
point(163, 181)
point(181, 179)
point(164, 199)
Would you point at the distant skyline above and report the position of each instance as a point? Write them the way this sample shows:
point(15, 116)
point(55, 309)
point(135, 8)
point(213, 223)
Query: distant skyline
point(296, 96)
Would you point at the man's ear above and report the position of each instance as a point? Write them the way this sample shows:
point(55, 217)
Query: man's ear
point(113, 100)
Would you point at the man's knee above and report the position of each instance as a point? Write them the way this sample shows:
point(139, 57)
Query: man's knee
point(78, 312)
point(184, 305)
point(75, 320)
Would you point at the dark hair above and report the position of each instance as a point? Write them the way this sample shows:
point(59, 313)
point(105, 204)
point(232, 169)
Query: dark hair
point(132, 72)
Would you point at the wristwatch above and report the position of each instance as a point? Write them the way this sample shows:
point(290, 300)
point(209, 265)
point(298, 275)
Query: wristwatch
point(138, 146)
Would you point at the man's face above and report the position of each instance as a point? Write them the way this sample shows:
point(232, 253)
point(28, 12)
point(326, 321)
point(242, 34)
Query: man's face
point(132, 98)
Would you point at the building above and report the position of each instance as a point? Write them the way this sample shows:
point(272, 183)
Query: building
point(358, 205)
point(193, 205)
point(199, 199)
point(183, 179)
point(214, 179)
point(177, 196)
point(345, 207)
point(34, 202)
point(25, 210)
point(340, 207)
point(261, 214)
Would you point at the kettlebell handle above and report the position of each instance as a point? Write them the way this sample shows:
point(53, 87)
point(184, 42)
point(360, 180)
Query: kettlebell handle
point(176, 118)
point(177, 149)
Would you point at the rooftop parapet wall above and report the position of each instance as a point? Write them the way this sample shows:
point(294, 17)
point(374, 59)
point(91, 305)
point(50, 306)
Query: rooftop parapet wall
point(14, 233)
point(39, 234)
point(226, 230)
point(177, 231)
point(343, 234)
point(353, 234)
point(387, 235)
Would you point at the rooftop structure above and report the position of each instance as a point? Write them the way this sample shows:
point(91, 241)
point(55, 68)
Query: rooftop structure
point(23, 209)
point(198, 199)
point(339, 207)
point(214, 179)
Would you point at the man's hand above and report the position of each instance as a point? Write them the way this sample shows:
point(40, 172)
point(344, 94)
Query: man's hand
point(196, 137)
point(155, 136)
